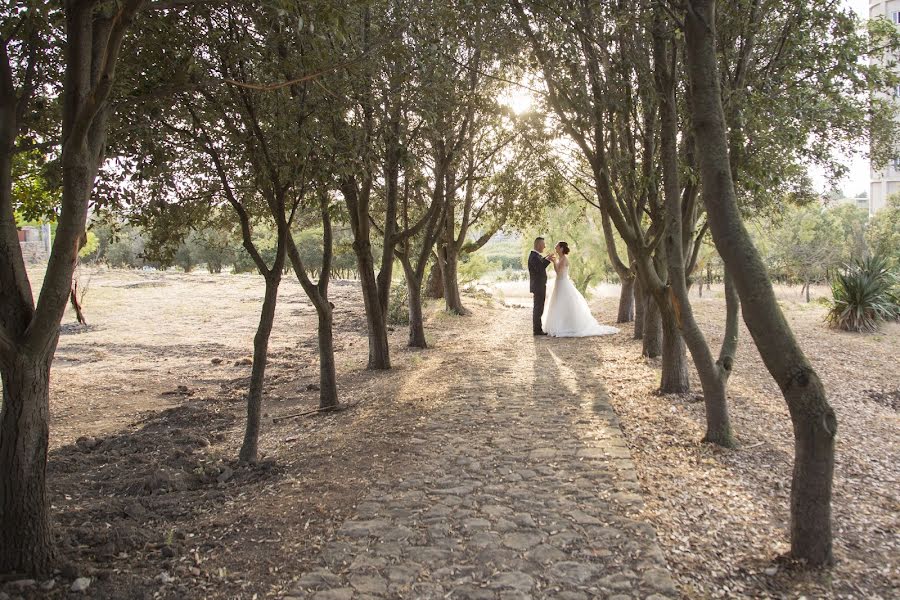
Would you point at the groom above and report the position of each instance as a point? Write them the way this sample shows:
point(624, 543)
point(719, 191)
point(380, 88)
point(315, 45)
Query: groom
point(537, 277)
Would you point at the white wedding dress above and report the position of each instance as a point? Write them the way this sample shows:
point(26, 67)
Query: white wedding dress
point(568, 313)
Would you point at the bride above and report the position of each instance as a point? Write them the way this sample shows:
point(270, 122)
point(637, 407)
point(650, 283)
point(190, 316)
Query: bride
point(568, 313)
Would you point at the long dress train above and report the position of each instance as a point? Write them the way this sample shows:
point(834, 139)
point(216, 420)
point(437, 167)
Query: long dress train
point(568, 313)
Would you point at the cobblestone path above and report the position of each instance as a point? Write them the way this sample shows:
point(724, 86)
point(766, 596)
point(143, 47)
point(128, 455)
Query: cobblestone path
point(521, 487)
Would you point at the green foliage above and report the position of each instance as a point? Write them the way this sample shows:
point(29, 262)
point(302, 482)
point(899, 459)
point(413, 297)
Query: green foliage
point(35, 198)
point(504, 252)
point(215, 247)
point(123, 248)
point(863, 295)
point(474, 266)
point(806, 243)
point(265, 241)
point(92, 244)
point(398, 304)
point(185, 258)
point(574, 223)
point(883, 231)
point(816, 82)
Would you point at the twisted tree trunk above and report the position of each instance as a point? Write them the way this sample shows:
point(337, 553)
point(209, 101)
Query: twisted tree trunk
point(250, 447)
point(814, 421)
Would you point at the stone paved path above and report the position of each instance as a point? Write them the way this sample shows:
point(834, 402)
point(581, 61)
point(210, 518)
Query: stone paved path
point(522, 487)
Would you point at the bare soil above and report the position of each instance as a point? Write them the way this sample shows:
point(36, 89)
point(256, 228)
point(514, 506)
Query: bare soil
point(147, 409)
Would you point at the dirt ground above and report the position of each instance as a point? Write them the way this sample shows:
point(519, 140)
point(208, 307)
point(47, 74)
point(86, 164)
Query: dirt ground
point(147, 413)
point(722, 515)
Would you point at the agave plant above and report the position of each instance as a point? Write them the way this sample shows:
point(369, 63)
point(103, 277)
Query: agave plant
point(863, 295)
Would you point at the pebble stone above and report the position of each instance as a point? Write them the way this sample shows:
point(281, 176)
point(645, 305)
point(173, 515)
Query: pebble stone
point(519, 486)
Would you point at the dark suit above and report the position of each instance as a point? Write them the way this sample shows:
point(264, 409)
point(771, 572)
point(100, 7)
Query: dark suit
point(537, 276)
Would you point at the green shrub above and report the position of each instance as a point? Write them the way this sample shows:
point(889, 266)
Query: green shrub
point(864, 295)
point(473, 267)
point(398, 304)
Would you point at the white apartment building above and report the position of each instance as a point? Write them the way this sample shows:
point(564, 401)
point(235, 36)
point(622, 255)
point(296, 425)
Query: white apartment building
point(885, 182)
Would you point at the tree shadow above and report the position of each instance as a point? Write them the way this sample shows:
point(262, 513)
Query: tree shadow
point(142, 490)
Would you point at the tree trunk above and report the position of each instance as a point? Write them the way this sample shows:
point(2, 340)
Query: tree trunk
point(249, 449)
point(718, 424)
point(434, 287)
point(379, 349)
point(652, 328)
point(328, 395)
point(24, 436)
point(638, 310)
point(674, 378)
point(814, 422)
point(450, 274)
point(626, 301)
point(416, 319)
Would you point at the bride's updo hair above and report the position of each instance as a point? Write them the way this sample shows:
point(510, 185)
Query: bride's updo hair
point(564, 246)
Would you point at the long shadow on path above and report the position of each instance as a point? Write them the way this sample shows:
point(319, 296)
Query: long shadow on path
point(523, 488)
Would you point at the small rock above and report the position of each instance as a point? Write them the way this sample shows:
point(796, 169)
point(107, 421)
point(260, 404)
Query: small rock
point(216, 361)
point(226, 474)
point(167, 552)
point(246, 361)
point(69, 571)
point(573, 572)
point(164, 578)
point(368, 584)
point(161, 480)
point(81, 584)
point(335, 594)
point(770, 571)
point(48, 585)
point(660, 580)
point(476, 524)
point(22, 584)
point(521, 541)
point(87, 443)
point(545, 553)
point(135, 510)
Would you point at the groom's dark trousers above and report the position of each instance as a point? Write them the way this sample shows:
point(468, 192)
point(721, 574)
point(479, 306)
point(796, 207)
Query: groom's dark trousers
point(537, 276)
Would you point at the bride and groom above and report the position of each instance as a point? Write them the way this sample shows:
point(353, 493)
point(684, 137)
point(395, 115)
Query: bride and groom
point(568, 314)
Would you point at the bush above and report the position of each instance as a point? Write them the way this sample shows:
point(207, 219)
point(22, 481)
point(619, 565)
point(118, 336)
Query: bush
point(398, 304)
point(473, 267)
point(125, 248)
point(864, 295)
